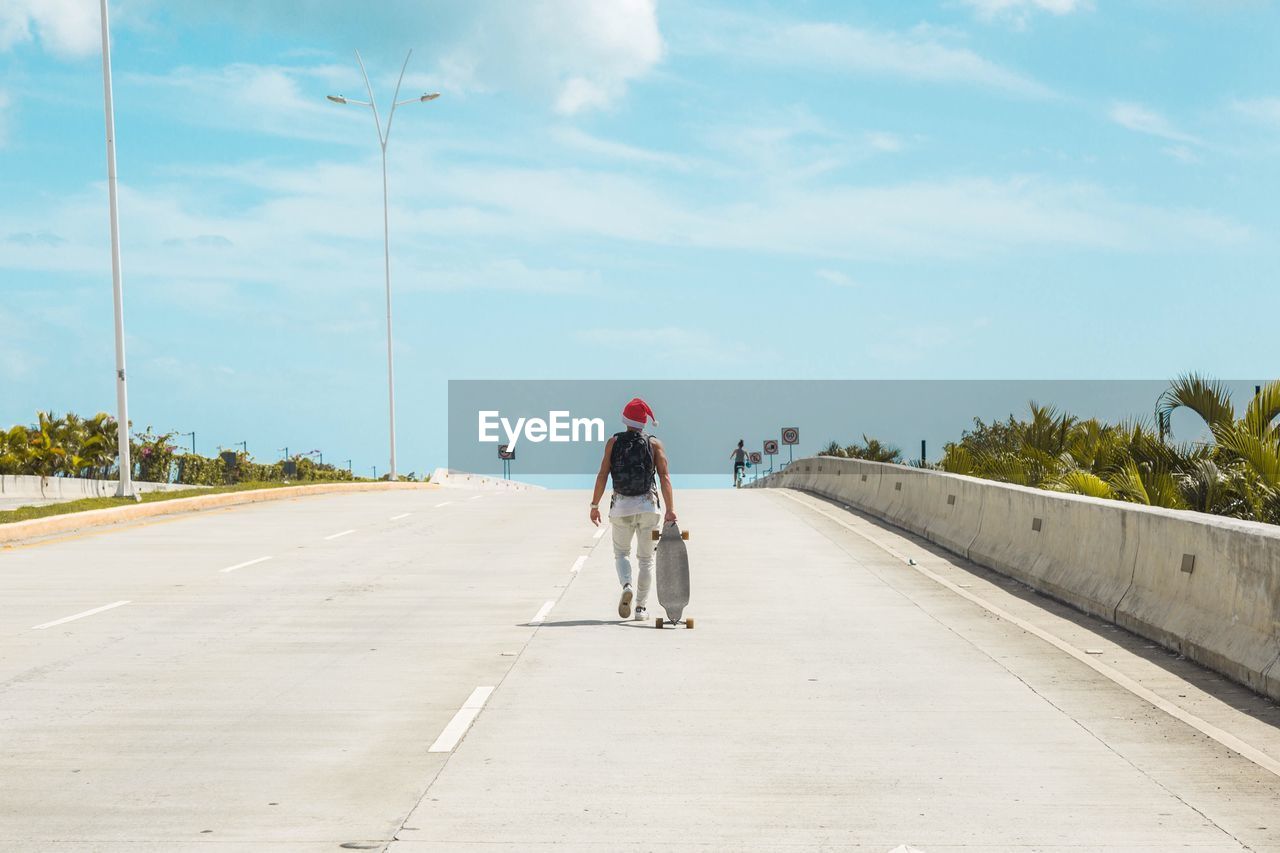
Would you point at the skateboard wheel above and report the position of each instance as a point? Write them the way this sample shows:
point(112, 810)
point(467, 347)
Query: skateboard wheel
point(657, 622)
point(688, 623)
point(684, 534)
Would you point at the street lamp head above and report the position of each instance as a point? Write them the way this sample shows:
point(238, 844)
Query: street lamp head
point(430, 96)
point(337, 99)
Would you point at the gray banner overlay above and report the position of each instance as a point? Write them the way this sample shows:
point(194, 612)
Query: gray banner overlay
point(700, 421)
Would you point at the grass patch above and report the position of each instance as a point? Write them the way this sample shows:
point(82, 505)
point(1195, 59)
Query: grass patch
point(26, 513)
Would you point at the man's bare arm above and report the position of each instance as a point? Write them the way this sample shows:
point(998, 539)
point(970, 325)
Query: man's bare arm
point(664, 479)
point(602, 479)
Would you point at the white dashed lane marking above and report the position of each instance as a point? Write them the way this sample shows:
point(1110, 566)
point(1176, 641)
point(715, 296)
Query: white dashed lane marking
point(66, 619)
point(245, 564)
point(542, 613)
point(461, 721)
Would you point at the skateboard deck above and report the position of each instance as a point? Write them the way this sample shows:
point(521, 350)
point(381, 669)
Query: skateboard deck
point(673, 573)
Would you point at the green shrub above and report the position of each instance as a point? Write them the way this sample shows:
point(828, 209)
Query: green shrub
point(71, 446)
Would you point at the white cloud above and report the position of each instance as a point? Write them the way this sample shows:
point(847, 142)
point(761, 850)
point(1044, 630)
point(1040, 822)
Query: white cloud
point(835, 277)
point(17, 358)
point(913, 55)
point(318, 228)
point(578, 55)
point(672, 343)
point(502, 275)
point(582, 54)
point(614, 43)
point(787, 146)
point(1142, 119)
point(273, 99)
point(579, 94)
point(1261, 110)
point(579, 140)
point(65, 27)
point(1018, 11)
point(886, 142)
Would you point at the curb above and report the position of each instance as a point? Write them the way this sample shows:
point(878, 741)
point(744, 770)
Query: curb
point(54, 524)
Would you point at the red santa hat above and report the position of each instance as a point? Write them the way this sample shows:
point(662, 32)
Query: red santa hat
point(637, 414)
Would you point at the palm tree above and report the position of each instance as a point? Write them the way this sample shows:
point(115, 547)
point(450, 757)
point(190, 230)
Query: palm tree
point(873, 450)
point(1245, 453)
point(1237, 473)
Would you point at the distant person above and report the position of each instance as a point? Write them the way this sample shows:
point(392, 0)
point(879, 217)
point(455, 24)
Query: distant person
point(739, 457)
point(631, 459)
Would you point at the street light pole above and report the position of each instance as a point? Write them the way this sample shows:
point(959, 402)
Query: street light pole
point(383, 137)
point(125, 488)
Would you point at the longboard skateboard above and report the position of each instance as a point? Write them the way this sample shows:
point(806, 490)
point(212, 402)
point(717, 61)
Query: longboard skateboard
point(673, 574)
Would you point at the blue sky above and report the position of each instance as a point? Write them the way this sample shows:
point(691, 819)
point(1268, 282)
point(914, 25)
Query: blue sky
point(955, 189)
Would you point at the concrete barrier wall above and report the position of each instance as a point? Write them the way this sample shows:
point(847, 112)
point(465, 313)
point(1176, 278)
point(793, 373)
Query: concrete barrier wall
point(1210, 591)
point(1205, 586)
point(954, 509)
point(1074, 548)
point(16, 487)
point(449, 477)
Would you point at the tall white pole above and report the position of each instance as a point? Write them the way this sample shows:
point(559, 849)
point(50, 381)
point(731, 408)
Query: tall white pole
point(386, 250)
point(125, 489)
point(383, 137)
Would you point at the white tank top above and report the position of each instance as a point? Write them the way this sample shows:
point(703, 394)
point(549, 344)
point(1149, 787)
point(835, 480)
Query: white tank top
point(621, 505)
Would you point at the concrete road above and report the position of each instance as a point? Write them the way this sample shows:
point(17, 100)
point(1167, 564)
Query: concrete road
point(364, 670)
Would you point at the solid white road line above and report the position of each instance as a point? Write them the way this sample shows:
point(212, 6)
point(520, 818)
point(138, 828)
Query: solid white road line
point(246, 563)
point(400, 516)
point(336, 535)
point(66, 619)
point(475, 497)
point(599, 532)
point(579, 563)
point(1225, 738)
point(542, 613)
point(446, 503)
point(461, 721)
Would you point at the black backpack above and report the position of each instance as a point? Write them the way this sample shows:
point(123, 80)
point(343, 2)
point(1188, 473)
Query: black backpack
point(631, 464)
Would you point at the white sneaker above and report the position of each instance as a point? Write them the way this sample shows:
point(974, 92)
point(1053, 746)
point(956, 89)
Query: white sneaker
point(642, 613)
point(624, 603)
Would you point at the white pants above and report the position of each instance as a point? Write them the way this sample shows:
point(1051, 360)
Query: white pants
point(637, 527)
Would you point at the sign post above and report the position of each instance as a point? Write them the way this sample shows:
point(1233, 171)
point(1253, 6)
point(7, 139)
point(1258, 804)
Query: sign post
point(755, 463)
point(506, 455)
point(790, 437)
point(771, 450)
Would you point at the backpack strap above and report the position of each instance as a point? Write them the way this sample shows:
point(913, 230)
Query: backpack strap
point(655, 491)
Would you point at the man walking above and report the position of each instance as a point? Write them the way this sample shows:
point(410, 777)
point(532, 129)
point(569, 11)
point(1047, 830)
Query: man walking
point(632, 459)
